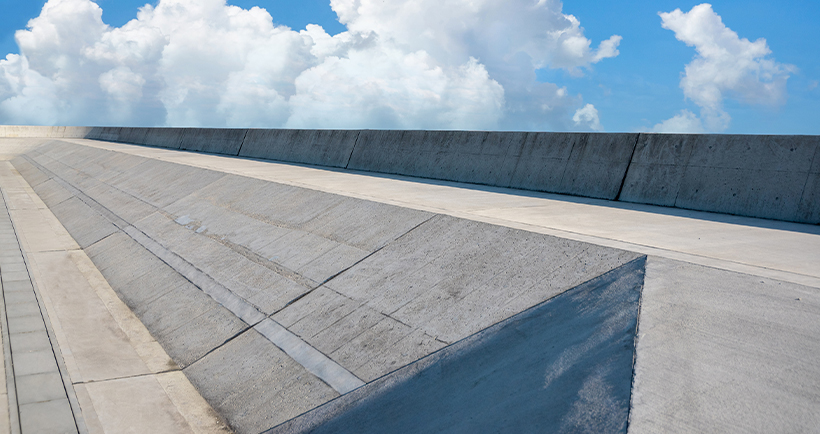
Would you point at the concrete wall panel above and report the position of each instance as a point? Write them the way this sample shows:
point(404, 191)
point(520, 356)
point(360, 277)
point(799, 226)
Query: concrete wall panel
point(590, 165)
point(27, 131)
point(757, 176)
point(463, 156)
point(321, 147)
point(657, 168)
point(133, 135)
point(213, 140)
point(109, 134)
point(75, 132)
point(163, 137)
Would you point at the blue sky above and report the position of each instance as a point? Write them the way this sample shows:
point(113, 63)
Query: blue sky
point(637, 89)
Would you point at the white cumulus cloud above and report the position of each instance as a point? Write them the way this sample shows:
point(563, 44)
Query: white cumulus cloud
point(725, 66)
point(683, 122)
point(587, 118)
point(401, 64)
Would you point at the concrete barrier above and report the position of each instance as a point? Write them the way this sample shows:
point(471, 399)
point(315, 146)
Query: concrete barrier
point(26, 131)
point(462, 156)
point(213, 140)
point(320, 147)
point(589, 165)
point(759, 176)
point(134, 135)
point(774, 177)
point(163, 137)
point(109, 134)
point(73, 132)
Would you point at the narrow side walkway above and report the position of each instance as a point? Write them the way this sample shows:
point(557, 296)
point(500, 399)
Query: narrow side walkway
point(121, 377)
point(38, 398)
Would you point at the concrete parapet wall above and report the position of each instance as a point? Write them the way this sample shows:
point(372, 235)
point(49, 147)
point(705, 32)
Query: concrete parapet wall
point(774, 177)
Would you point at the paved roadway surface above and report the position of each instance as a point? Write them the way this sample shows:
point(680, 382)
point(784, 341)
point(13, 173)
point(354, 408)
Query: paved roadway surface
point(729, 312)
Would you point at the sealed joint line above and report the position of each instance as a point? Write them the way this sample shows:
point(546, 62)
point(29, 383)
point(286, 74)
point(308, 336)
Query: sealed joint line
point(310, 358)
point(239, 307)
point(337, 377)
point(628, 166)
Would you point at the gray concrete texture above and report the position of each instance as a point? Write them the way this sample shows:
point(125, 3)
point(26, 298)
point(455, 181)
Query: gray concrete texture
point(320, 147)
point(725, 352)
point(773, 177)
point(530, 373)
point(370, 286)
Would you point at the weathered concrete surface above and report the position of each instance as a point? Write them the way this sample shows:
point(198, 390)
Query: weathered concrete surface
point(725, 352)
point(761, 176)
point(531, 373)
point(213, 140)
point(322, 147)
point(589, 165)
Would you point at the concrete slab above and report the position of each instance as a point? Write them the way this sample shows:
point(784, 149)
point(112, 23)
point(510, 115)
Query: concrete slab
point(725, 352)
point(255, 385)
point(531, 373)
point(126, 205)
point(29, 172)
point(99, 353)
point(105, 133)
point(34, 362)
point(161, 184)
point(808, 210)
point(52, 193)
point(323, 147)
point(85, 225)
point(425, 274)
point(49, 417)
point(464, 156)
point(28, 342)
point(149, 408)
point(189, 324)
point(39, 388)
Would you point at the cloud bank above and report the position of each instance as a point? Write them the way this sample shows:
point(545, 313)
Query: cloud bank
point(725, 66)
point(466, 64)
